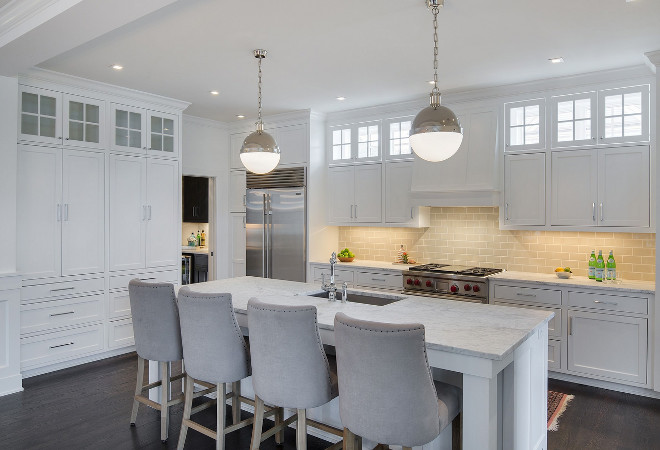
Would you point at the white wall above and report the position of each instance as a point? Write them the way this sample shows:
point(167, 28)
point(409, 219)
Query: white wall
point(8, 149)
point(206, 153)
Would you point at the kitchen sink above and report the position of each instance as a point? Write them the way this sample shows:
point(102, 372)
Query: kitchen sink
point(366, 298)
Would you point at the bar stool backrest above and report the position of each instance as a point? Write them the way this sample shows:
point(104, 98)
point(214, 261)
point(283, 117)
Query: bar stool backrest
point(386, 391)
point(155, 321)
point(214, 349)
point(289, 366)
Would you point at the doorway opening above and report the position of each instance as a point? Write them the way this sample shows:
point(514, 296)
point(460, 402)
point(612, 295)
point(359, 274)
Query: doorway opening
point(199, 230)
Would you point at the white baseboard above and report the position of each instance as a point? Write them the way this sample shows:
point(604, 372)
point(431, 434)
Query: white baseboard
point(11, 385)
point(604, 385)
point(77, 362)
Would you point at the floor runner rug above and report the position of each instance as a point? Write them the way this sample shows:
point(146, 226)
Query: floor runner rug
point(557, 404)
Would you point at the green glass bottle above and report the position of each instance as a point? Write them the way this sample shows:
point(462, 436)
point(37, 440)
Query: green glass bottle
point(600, 266)
point(592, 265)
point(610, 273)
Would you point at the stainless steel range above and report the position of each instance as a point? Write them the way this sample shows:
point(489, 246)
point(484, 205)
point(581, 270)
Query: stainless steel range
point(450, 281)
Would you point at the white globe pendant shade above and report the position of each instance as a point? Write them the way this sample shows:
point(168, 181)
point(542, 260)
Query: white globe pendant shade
point(260, 153)
point(435, 134)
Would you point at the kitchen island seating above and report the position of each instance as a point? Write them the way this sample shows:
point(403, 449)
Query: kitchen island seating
point(157, 338)
point(388, 394)
point(289, 367)
point(215, 352)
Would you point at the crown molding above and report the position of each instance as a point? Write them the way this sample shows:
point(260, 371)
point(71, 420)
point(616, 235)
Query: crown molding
point(21, 16)
point(204, 122)
point(273, 121)
point(653, 60)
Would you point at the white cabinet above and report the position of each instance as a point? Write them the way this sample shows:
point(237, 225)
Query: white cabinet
point(574, 188)
point(238, 245)
point(10, 370)
point(237, 186)
point(524, 189)
point(144, 212)
point(163, 134)
point(61, 207)
point(608, 346)
point(138, 130)
point(235, 144)
point(355, 194)
point(293, 142)
point(398, 200)
point(40, 116)
point(84, 122)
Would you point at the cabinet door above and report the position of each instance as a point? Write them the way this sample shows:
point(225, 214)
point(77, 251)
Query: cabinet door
point(40, 116)
point(398, 177)
point(128, 212)
point(163, 215)
point(574, 187)
point(163, 135)
point(623, 186)
point(128, 129)
point(235, 144)
point(238, 245)
point(293, 143)
point(608, 346)
point(524, 189)
point(341, 193)
point(39, 211)
point(368, 193)
point(237, 187)
point(83, 218)
point(195, 192)
point(84, 122)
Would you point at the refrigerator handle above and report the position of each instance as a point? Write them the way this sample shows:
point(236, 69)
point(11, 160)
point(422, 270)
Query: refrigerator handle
point(264, 273)
point(269, 253)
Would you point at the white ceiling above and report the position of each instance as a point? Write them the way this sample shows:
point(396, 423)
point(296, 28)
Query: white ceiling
point(372, 52)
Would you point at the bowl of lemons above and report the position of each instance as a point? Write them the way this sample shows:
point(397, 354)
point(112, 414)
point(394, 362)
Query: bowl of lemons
point(346, 255)
point(563, 272)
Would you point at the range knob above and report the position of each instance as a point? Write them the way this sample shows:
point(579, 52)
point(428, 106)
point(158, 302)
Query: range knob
point(467, 287)
point(476, 288)
point(429, 283)
point(409, 281)
point(417, 282)
point(454, 288)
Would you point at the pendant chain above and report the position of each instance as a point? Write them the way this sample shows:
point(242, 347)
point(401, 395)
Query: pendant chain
point(259, 88)
point(435, 11)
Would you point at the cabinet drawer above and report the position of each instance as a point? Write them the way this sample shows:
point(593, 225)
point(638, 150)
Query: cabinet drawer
point(61, 313)
point(119, 304)
point(53, 347)
point(525, 294)
point(638, 305)
point(554, 354)
point(341, 275)
point(121, 281)
point(120, 333)
point(379, 280)
point(554, 326)
point(43, 291)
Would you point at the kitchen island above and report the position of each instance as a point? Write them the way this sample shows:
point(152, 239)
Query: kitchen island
point(501, 353)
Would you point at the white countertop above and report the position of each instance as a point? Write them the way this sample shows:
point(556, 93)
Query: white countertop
point(368, 264)
point(646, 287)
point(474, 329)
point(186, 249)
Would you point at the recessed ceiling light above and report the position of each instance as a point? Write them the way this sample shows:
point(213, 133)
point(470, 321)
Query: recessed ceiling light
point(556, 60)
point(215, 93)
point(240, 116)
point(117, 66)
point(341, 98)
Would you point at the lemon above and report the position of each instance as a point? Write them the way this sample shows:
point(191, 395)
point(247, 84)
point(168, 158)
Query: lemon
point(559, 269)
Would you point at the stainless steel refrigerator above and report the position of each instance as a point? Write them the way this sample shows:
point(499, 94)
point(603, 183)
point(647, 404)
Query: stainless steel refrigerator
point(275, 227)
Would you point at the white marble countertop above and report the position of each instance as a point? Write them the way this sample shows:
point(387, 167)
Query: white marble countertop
point(368, 264)
point(484, 331)
point(186, 249)
point(646, 287)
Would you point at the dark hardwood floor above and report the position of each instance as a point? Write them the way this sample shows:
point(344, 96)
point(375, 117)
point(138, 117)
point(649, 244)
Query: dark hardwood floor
point(89, 406)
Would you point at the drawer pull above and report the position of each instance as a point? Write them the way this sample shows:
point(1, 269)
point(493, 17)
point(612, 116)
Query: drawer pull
point(62, 289)
point(148, 279)
point(61, 345)
point(62, 314)
point(605, 303)
point(378, 279)
point(570, 326)
point(525, 295)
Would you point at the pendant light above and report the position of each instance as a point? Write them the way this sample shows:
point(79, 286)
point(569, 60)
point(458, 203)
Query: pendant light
point(260, 153)
point(435, 134)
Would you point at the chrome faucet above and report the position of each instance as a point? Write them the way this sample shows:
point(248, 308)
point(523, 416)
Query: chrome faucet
point(344, 292)
point(331, 288)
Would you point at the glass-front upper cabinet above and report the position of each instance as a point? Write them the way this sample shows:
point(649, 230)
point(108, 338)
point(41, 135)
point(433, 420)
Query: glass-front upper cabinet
point(397, 142)
point(341, 144)
point(40, 118)
point(624, 115)
point(128, 129)
point(355, 143)
point(573, 120)
point(163, 134)
point(525, 125)
point(84, 122)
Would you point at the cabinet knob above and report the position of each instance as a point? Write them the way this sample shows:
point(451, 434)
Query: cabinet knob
point(144, 148)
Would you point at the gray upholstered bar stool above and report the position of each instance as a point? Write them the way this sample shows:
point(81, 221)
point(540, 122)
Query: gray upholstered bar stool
point(157, 338)
point(289, 368)
point(215, 352)
point(387, 391)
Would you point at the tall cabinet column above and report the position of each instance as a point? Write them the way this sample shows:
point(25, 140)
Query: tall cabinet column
point(10, 369)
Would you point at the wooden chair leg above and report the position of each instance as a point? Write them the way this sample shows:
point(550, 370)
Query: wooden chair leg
point(221, 419)
point(164, 398)
point(456, 433)
point(258, 423)
point(138, 389)
point(358, 442)
point(349, 440)
point(407, 448)
point(187, 408)
point(301, 430)
point(279, 418)
point(236, 402)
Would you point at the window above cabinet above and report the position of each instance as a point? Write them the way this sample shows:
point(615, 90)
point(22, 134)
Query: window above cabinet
point(341, 144)
point(355, 143)
point(624, 115)
point(525, 125)
point(398, 143)
point(573, 120)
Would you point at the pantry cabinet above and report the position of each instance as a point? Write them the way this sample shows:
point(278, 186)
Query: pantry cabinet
point(524, 189)
point(355, 194)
